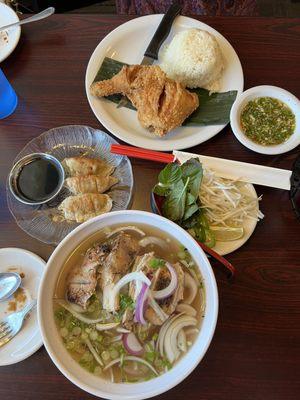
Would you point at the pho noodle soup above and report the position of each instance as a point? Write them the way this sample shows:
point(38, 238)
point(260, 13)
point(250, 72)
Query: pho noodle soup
point(129, 303)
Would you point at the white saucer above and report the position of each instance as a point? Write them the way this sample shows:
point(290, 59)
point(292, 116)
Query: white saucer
point(28, 340)
point(8, 16)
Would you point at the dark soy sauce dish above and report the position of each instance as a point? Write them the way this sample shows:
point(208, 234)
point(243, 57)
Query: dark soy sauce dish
point(36, 178)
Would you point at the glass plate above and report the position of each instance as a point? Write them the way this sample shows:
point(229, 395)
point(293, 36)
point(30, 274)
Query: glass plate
point(44, 222)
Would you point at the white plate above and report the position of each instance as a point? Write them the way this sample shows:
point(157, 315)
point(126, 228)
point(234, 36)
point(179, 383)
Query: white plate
point(128, 43)
point(8, 16)
point(249, 225)
point(29, 339)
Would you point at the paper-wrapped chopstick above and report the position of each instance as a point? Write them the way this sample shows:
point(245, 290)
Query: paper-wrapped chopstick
point(246, 172)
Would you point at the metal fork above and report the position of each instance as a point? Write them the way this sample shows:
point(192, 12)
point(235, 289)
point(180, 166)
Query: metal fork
point(12, 324)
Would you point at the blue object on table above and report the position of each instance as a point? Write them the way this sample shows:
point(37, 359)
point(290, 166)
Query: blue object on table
point(8, 97)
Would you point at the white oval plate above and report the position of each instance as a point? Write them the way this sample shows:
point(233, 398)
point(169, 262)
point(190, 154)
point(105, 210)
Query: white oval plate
point(128, 43)
point(8, 16)
point(29, 339)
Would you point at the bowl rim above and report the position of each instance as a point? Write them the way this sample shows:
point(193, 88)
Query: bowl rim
point(211, 324)
point(264, 91)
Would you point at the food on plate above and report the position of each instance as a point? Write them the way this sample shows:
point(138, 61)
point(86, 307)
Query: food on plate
point(90, 183)
point(82, 207)
point(75, 166)
point(214, 108)
point(89, 179)
point(129, 303)
point(3, 38)
point(227, 204)
point(208, 207)
point(162, 103)
point(194, 58)
point(267, 121)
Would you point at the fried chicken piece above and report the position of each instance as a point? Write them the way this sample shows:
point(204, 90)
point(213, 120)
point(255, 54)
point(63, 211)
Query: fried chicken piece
point(162, 103)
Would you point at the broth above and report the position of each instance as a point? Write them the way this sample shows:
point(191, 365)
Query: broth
point(142, 352)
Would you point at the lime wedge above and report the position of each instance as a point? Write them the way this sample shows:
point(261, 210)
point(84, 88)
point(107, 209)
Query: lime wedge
point(225, 234)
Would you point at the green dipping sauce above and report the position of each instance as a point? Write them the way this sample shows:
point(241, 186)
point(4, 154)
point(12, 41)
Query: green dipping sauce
point(267, 121)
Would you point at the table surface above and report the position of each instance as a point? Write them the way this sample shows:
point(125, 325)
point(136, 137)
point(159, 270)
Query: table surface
point(255, 352)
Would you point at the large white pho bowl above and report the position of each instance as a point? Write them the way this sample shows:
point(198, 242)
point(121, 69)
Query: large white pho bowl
point(51, 338)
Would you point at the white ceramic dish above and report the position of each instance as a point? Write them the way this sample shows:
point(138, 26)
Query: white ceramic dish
point(123, 122)
point(249, 224)
point(8, 16)
point(52, 341)
point(28, 340)
point(265, 91)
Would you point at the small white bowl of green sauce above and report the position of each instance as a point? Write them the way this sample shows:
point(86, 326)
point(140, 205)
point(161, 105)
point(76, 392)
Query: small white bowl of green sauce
point(266, 119)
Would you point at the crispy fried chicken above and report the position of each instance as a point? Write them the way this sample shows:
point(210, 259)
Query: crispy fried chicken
point(162, 103)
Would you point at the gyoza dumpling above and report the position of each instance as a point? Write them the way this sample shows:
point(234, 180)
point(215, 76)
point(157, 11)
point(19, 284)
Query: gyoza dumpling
point(90, 183)
point(76, 166)
point(82, 207)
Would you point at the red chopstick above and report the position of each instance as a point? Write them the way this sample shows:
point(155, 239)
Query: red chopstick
point(144, 154)
point(230, 268)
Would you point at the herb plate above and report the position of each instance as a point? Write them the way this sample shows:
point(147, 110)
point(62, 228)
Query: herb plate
point(123, 122)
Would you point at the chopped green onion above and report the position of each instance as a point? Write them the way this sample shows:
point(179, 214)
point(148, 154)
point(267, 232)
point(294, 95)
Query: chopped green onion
point(105, 355)
point(93, 335)
point(76, 331)
point(64, 332)
point(114, 354)
point(156, 263)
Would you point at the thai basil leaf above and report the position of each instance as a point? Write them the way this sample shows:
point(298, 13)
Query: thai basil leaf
point(161, 190)
point(189, 211)
point(174, 205)
point(190, 199)
point(170, 174)
point(193, 169)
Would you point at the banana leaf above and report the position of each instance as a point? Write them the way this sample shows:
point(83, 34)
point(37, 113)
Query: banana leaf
point(214, 109)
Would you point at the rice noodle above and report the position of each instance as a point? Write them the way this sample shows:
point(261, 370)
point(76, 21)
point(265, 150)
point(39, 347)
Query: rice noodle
point(158, 310)
point(227, 202)
point(131, 358)
point(79, 316)
point(93, 351)
point(154, 241)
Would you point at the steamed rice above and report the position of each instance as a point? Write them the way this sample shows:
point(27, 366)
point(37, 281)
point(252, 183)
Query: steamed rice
point(194, 58)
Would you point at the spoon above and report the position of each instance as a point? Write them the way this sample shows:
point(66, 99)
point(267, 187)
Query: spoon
point(43, 14)
point(9, 283)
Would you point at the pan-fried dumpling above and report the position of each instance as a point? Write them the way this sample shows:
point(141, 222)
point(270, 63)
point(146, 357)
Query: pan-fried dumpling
point(82, 207)
point(76, 166)
point(90, 183)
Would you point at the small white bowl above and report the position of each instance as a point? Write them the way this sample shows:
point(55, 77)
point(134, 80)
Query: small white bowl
point(52, 340)
point(265, 91)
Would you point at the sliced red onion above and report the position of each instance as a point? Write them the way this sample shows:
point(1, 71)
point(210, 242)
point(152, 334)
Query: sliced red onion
point(141, 305)
point(132, 345)
point(166, 292)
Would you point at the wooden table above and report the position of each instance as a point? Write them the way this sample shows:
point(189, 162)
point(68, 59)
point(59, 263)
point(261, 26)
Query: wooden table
point(255, 353)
